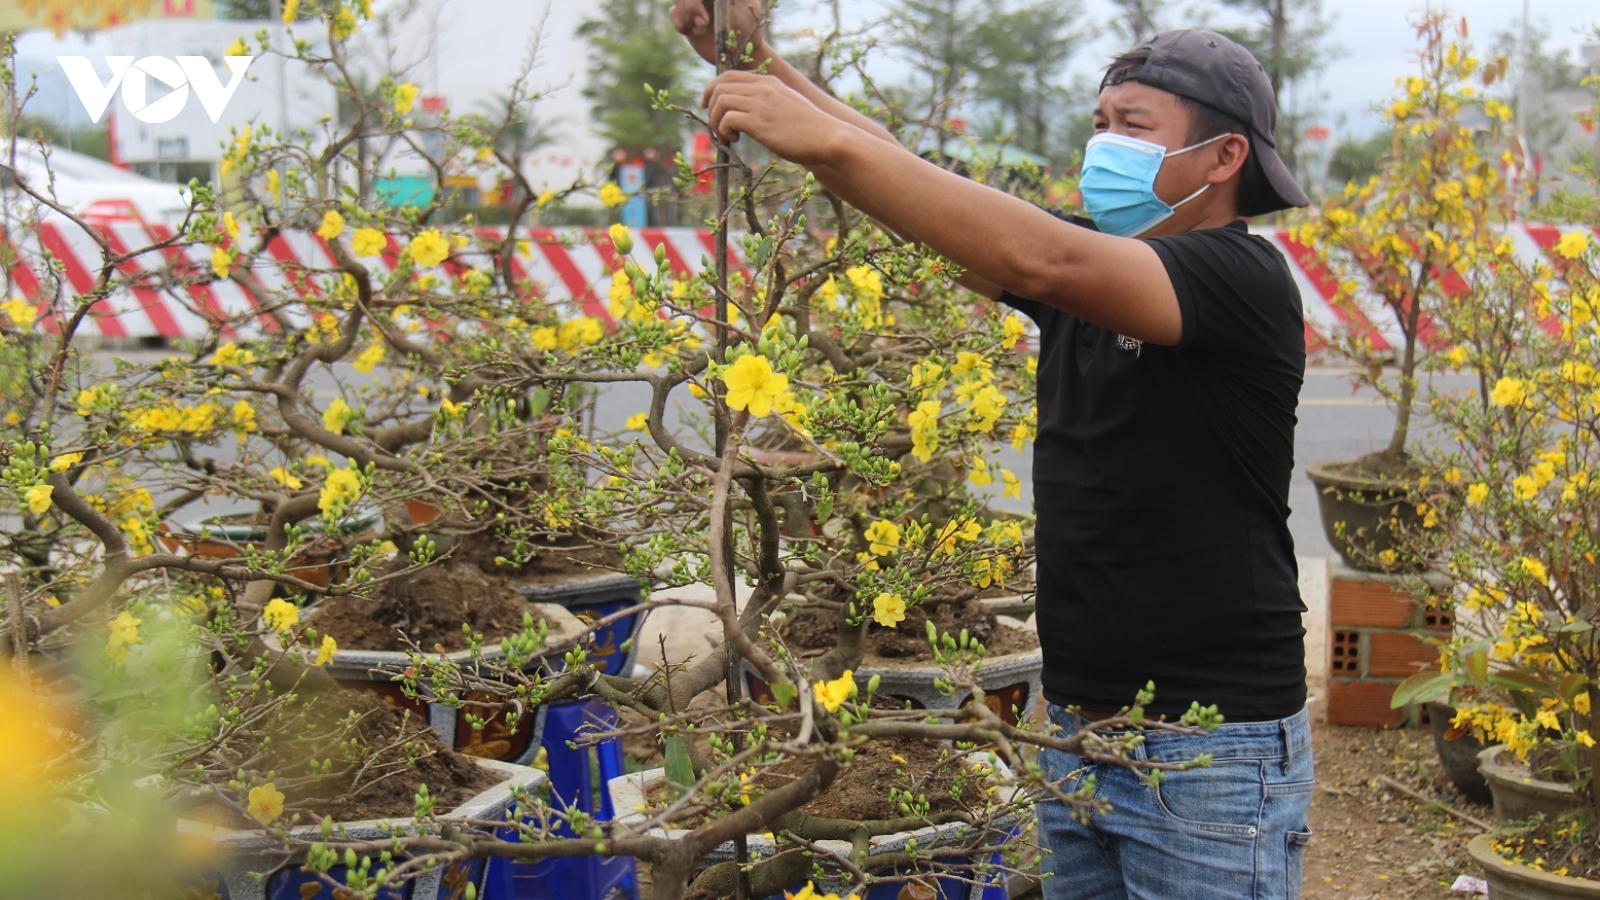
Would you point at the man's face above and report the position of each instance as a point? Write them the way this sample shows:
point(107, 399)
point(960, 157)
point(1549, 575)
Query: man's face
point(1151, 114)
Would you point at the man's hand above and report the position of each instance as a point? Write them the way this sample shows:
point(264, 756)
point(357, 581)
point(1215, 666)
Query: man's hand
point(774, 114)
point(693, 19)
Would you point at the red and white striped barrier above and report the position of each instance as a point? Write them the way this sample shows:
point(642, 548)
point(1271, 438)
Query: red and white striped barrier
point(561, 264)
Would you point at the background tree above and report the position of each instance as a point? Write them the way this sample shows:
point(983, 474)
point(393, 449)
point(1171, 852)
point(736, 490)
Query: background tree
point(1024, 52)
point(1137, 20)
point(1290, 38)
point(1357, 159)
point(940, 38)
point(633, 45)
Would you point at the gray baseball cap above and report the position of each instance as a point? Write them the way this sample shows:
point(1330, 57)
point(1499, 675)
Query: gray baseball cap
point(1210, 68)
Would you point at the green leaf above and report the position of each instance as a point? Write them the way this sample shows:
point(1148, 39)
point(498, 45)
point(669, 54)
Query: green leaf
point(784, 692)
point(680, 771)
point(1423, 687)
point(1571, 686)
point(1520, 680)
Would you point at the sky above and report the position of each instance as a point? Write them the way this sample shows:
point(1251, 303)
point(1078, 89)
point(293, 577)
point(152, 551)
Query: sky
point(481, 42)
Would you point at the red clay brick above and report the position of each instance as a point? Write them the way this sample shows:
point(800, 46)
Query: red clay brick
point(1361, 703)
point(1369, 604)
point(1398, 655)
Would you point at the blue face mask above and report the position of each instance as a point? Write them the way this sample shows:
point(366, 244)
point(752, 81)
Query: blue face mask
point(1118, 184)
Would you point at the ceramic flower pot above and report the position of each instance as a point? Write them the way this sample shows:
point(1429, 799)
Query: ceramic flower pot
point(1512, 881)
point(629, 794)
point(1517, 793)
point(1362, 517)
point(250, 865)
point(1458, 755)
point(319, 563)
point(375, 672)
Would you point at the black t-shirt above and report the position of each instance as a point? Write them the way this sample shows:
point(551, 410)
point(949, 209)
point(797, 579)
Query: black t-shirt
point(1161, 484)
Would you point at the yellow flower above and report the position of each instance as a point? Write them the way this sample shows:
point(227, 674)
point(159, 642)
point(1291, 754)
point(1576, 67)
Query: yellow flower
point(579, 332)
point(65, 461)
point(1012, 329)
point(1013, 487)
point(286, 478)
point(274, 184)
point(429, 248)
point(332, 225)
point(622, 239)
point(266, 801)
point(882, 537)
point(1572, 244)
point(230, 354)
point(19, 311)
point(924, 422)
point(369, 359)
point(888, 610)
point(338, 416)
point(980, 472)
point(1477, 493)
point(368, 242)
point(221, 260)
point(1524, 488)
point(124, 634)
point(281, 615)
point(404, 96)
point(833, 693)
point(291, 8)
point(237, 48)
point(342, 488)
point(1583, 738)
point(753, 385)
point(809, 892)
point(1534, 569)
point(543, 337)
point(230, 225)
point(326, 651)
point(1509, 392)
point(38, 498)
point(637, 422)
point(611, 195)
point(545, 197)
point(1456, 356)
point(866, 280)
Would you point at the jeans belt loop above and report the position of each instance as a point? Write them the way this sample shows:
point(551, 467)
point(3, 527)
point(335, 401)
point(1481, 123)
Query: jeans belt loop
point(1288, 744)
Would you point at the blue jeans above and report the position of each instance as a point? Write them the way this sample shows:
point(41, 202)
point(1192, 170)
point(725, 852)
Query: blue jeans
point(1233, 831)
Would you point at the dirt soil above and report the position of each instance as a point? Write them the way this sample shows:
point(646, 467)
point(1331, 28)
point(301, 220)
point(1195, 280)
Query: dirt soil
point(817, 629)
point(384, 790)
point(861, 791)
point(549, 563)
point(1372, 841)
point(428, 607)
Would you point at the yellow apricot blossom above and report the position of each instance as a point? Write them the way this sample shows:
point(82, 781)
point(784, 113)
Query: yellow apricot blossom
point(753, 385)
point(1572, 244)
point(332, 225)
point(338, 416)
point(1477, 494)
point(326, 650)
point(882, 537)
point(266, 801)
point(429, 248)
point(369, 358)
point(611, 195)
point(38, 498)
point(832, 694)
point(124, 634)
point(405, 96)
point(342, 488)
point(280, 615)
point(286, 478)
point(368, 242)
point(637, 422)
point(888, 609)
point(1509, 391)
point(19, 311)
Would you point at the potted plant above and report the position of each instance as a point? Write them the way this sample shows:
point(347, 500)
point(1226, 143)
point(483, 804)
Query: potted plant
point(1514, 532)
point(1392, 245)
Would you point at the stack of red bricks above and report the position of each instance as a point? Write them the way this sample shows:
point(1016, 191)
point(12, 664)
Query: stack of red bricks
point(1375, 641)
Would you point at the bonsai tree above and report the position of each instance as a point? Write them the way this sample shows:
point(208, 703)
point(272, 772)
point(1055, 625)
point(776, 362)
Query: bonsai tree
point(863, 402)
point(1512, 498)
point(1395, 246)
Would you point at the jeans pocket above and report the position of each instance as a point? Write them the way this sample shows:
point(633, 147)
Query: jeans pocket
point(1224, 798)
point(1293, 869)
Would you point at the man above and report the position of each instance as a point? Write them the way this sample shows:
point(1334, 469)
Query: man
point(1171, 357)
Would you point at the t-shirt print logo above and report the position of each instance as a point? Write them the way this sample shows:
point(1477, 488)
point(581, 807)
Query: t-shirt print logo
point(133, 77)
point(1133, 345)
